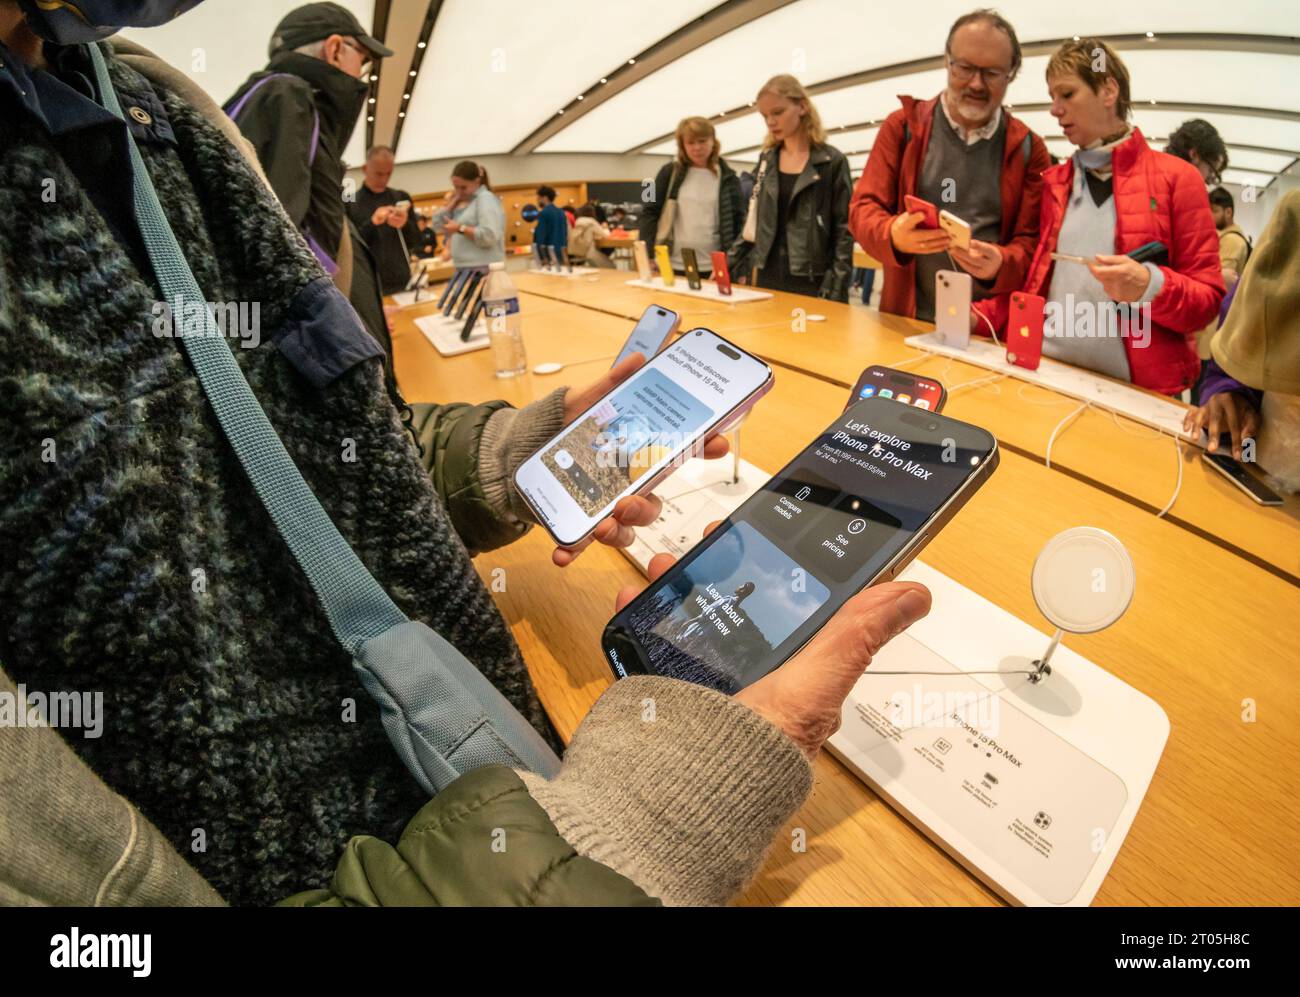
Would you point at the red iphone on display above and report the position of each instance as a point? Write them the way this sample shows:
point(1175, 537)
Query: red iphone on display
point(721, 275)
point(1024, 333)
point(884, 382)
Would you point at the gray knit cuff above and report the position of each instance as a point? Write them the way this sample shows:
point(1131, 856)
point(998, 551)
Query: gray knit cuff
point(509, 437)
point(677, 787)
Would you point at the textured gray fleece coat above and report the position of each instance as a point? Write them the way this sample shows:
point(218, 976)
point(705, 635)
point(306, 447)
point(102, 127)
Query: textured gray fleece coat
point(137, 561)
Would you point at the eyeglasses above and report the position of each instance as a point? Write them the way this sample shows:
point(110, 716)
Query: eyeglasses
point(963, 72)
point(365, 55)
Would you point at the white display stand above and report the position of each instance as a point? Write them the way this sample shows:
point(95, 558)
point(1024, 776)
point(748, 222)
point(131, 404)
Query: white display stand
point(696, 494)
point(1071, 756)
point(1030, 786)
point(404, 299)
point(708, 290)
point(1124, 399)
point(444, 333)
point(580, 271)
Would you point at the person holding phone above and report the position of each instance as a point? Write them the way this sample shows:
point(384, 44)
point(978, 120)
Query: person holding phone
point(962, 152)
point(1134, 321)
point(1252, 383)
point(383, 216)
point(796, 237)
point(471, 218)
point(696, 199)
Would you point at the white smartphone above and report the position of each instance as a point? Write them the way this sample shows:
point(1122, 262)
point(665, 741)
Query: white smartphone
point(957, 229)
point(650, 333)
point(636, 435)
point(952, 307)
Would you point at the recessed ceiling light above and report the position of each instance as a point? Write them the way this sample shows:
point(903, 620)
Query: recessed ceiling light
point(412, 72)
point(374, 78)
point(560, 111)
point(580, 97)
point(371, 118)
point(631, 62)
point(401, 114)
point(406, 96)
point(1151, 34)
point(421, 44)
point(372, 100)
point(604, 79)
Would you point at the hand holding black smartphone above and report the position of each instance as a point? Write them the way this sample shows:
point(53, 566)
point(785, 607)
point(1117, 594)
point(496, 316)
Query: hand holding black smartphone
point(851, 510)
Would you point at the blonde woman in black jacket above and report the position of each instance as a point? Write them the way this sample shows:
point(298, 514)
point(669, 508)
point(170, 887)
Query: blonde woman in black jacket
point(800, 240)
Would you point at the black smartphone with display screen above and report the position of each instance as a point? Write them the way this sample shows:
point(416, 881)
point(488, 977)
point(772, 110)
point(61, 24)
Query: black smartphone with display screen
point(851, 510)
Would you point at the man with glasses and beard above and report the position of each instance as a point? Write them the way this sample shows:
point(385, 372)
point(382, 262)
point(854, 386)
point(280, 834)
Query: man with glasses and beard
point(962, 152)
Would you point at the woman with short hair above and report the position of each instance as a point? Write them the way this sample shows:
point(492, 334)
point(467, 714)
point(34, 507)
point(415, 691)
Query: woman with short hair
point(1114, 195)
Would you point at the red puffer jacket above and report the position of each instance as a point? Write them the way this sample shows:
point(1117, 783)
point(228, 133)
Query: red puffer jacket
point(1157, 197)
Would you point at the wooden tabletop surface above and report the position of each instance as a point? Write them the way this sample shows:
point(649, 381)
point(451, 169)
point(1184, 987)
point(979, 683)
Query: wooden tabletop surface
point(1210, 634)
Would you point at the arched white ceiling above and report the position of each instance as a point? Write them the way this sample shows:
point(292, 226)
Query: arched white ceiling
point(220, 42)
point(821, 40)
point(496, 69)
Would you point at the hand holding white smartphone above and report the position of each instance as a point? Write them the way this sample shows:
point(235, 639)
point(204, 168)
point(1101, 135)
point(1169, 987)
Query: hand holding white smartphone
point(958, 230)
point(632, 438)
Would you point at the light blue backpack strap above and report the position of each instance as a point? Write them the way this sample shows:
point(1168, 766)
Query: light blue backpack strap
point(357, 606)
point(443, 717)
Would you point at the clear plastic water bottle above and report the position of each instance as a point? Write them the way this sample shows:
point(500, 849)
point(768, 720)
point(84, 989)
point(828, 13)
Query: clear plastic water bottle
point(505, 331)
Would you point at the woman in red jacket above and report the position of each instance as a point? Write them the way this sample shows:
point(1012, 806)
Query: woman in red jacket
point(1133, 321)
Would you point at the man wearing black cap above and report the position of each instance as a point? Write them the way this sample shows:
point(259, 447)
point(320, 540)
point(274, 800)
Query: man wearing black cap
point(299, 113)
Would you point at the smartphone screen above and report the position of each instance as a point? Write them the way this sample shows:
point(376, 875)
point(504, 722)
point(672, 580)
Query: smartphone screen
point(652, 329)
point(632, 434)
point(885, 382)
point(1234, 472)
point(850, 510)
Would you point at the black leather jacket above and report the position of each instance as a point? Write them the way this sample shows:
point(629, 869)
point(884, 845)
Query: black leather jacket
point(817, 235)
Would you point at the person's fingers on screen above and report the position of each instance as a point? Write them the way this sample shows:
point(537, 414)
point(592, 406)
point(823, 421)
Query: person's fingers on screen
point(805, 695)
point(657, 566)
point(712, 526)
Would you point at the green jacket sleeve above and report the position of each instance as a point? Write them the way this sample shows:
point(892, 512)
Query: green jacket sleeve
point(481, 841)
point(472, 451)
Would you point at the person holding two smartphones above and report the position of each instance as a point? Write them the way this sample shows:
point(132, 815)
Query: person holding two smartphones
point(961, 151)
point(278, 781)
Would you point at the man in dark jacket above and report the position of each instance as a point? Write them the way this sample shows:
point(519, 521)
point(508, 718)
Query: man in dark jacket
point(388, 229)
point(299, 113)
point(552, 229)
